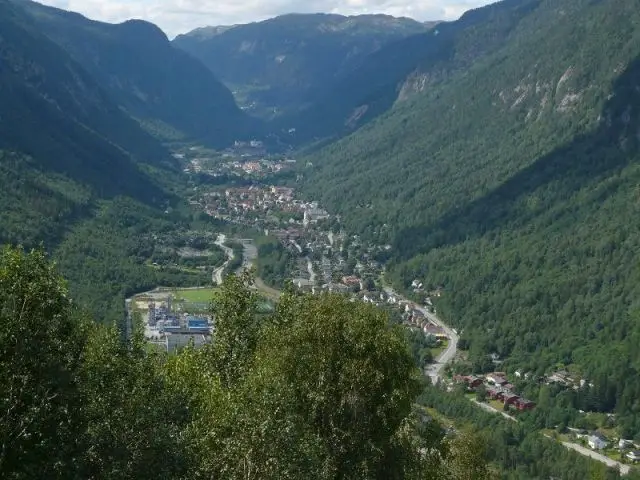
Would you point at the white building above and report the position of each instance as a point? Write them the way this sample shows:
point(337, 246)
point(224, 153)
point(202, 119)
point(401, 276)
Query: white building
point(597, 442)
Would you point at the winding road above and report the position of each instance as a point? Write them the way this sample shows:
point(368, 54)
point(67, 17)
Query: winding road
point(312, 273)
point(216, 276)
point(433, 371)
point(447, 355)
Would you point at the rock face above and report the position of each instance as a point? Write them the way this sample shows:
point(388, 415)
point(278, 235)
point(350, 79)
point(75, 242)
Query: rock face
point(405, 67)
point(280, 65)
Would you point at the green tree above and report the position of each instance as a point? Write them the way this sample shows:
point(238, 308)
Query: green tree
point(481, 393)
point(134, 421)
point(351, 376)
point(466, 458)
point(41, 351)
point(237, 328)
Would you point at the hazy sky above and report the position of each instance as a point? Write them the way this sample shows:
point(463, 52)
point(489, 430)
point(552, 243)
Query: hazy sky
point(179, 16)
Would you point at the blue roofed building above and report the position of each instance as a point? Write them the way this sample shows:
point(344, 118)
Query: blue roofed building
point(198, 325)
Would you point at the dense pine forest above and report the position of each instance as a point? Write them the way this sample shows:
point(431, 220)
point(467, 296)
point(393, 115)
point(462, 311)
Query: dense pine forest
point(513, 186)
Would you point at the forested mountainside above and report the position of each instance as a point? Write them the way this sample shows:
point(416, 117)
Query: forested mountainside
point(78, 175)
point(514, 186)
point(400, 69)
point(63, 139)
point(281, 64)
point(169, 93)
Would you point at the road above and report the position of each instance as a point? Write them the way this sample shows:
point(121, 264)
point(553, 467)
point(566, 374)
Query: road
point(447, 355)
point(249, 254)
point(624, 469)
point(216, 276)
point(491, 409)
point(312, 274)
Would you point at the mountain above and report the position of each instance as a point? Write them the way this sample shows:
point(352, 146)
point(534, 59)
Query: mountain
point(62, 140)
point(513, 185)
point(78, 175)
point(205, 33)
point(167, 91)
point(279, 65)
point(399, 69)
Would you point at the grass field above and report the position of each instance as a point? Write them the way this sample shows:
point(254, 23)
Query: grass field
point(200, 295)
point(438, 350)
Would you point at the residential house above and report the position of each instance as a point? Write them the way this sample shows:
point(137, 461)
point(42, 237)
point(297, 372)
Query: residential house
point(474, 381)
point(597, 441)
point(471, 381)
point(497, 378)
point(561, 377)
point(494, 393)
point(351, 281)
point(623, 443)
point(303, 283)
point(633, 455)
point(510, 399)
point(522, 404)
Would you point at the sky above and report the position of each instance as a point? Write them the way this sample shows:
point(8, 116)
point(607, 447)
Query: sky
point(180, 16)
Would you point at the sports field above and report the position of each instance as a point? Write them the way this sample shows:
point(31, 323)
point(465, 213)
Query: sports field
point(199, 295)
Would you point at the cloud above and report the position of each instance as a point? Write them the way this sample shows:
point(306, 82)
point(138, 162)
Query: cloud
point(179, 16)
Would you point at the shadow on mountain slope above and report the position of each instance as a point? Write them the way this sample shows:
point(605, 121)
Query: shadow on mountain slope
point(372, 88)
point(586, 162)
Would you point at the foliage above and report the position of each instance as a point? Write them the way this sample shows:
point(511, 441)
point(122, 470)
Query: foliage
point(104, 257)
point(322, 389)
point(41, 354)
point(352, 378)
point(134, 421)
point(514, 186)
point(515, 451)
point(274, 263)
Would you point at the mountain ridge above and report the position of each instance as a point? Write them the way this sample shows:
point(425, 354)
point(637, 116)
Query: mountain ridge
point(279, 63)
point(64, 144)
point(398, 69)
point(155, 83)
point(512, 186)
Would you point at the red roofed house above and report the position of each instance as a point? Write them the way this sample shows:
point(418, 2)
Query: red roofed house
point(494, 394)
point(510, 399)
point(497, 378)
point(524, 404)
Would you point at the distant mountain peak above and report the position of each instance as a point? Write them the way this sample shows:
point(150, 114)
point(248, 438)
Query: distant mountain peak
point(143, 28)
point(279, 65)
point(208, 32)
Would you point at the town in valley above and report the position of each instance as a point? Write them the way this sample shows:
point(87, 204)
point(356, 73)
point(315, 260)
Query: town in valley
point(243, 187)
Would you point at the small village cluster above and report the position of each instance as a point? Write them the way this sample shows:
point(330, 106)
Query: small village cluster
point(243, 159)
point(326, 261)
point(261, 207)
point(497, 387)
